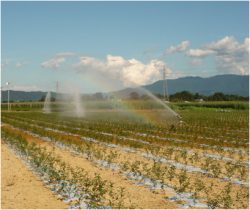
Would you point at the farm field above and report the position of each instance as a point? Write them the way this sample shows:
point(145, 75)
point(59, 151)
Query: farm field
point(131, 105)
point(127, 159)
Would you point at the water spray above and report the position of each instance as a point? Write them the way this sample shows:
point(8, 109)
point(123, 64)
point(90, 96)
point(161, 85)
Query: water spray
point(166, 106)
point(47, 103)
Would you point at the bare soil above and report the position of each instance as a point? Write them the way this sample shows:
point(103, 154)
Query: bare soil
point(21, 188)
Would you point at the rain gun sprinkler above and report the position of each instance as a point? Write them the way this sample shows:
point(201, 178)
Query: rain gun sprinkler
point(179, 123)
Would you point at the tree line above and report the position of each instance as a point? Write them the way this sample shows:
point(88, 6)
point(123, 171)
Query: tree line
point(187, 96)
point(177, 97)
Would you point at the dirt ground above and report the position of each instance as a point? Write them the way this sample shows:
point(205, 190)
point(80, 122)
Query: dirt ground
point(21, 188)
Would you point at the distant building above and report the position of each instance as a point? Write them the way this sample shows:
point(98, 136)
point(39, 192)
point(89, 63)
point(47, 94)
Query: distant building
point(199, 100)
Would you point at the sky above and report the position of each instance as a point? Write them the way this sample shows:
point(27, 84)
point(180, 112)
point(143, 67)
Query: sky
point(108, 46)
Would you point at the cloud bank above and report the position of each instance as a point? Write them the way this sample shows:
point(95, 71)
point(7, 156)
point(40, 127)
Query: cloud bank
point(230, 55)
point(131, 72)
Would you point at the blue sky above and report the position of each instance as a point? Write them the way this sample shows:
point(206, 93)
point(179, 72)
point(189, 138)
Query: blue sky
point(106, 46)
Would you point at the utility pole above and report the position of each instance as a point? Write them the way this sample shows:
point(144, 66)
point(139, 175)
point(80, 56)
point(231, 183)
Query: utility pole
point(165, 88)
point(8, 83)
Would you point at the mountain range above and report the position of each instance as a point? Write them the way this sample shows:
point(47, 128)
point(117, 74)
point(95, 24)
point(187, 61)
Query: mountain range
point(227, 84)
point(23, 95)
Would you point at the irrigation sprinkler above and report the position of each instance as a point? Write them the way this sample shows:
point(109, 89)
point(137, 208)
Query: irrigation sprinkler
point(179, 123)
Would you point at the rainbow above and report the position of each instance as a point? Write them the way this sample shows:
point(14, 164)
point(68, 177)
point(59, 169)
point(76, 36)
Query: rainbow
point(142, 115)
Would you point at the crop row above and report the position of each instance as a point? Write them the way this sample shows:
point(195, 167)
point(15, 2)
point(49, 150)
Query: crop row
point(201, 142)
point(159, 133)
point(120, 122)
point(74, 184)
point(118, 139)
point(181, 179)
point(230, 166)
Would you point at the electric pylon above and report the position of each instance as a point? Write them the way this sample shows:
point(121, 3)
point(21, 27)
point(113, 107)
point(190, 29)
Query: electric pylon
point(57, 91)
point(165, 88)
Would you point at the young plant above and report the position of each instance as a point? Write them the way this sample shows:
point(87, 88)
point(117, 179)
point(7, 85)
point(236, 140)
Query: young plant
point(171, 173)
point(230, 168)
point(216, 169)
point(206, 166)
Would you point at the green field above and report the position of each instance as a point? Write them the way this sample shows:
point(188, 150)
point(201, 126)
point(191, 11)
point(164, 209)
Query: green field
point(130, 105)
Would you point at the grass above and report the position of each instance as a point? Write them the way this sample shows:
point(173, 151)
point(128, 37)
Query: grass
point(212, 105)
point(130, 105)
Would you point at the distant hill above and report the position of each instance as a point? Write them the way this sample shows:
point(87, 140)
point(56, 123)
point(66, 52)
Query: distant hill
point(24, 96)
point(227, 84)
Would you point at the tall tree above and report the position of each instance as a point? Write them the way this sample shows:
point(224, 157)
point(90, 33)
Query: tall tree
point(99, 96)
point(134, 96)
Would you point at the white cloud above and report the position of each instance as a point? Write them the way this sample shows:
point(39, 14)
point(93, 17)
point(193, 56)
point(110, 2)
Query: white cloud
point(59, 58)
point(179, 48)
point(4, 64)
point(149, 49)
point(228, 44)
point(230, 55)
point(53, 63)
point(131, 72)
point(195, 62)
point(18, 65)
point(199, 53)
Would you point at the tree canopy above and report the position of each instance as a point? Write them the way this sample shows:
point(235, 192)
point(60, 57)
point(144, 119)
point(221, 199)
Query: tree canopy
point(134, 96)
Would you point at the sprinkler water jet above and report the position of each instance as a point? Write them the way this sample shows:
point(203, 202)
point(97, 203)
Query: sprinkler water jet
point(47, 103)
